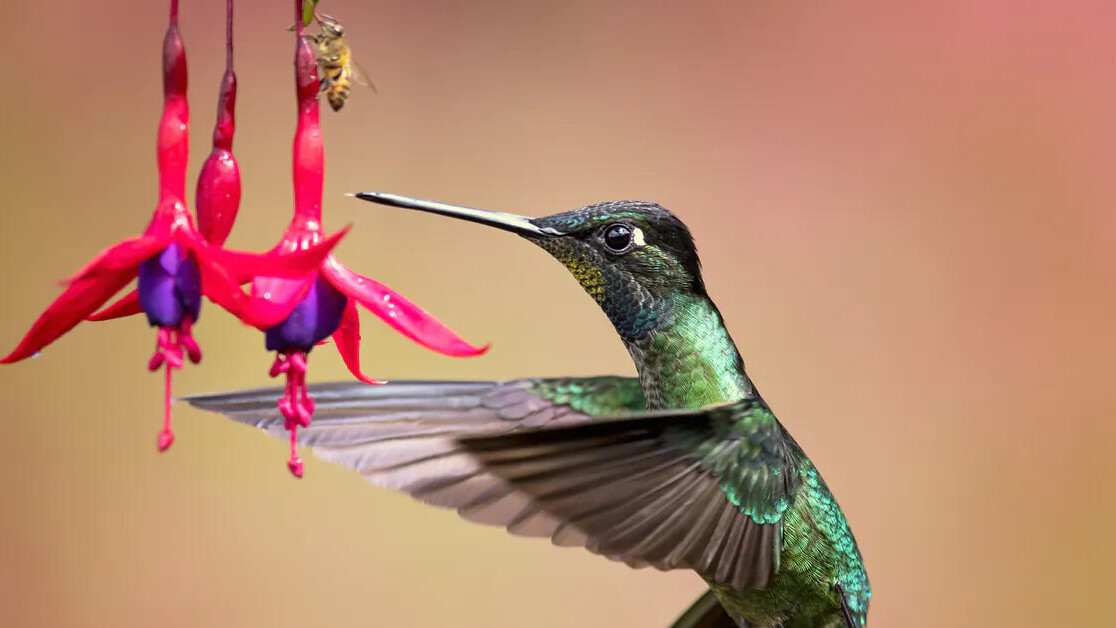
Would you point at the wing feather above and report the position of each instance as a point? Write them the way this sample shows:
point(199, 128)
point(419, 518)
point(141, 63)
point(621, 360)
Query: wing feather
point(702, 490)
point(650, 489)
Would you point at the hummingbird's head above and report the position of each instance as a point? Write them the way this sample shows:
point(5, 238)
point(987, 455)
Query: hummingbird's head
point(632, 257)
point(623, 246)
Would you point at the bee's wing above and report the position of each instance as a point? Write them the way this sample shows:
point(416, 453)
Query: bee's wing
point(362, 77)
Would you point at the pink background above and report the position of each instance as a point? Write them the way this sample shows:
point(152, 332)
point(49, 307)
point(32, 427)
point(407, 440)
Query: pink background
point(905, 212)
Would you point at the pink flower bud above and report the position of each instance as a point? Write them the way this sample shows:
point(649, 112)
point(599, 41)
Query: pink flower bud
point(218, 193)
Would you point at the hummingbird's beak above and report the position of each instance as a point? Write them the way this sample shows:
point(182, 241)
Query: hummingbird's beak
point(508, 222)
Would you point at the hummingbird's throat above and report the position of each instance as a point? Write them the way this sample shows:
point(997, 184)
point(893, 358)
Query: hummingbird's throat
point(633, 310)
point(588, 274)
point(684, 354)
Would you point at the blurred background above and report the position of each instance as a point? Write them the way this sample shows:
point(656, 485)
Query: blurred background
point(905, 213)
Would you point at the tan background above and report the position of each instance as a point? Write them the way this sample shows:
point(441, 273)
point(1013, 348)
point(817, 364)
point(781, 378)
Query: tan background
point(905, 213)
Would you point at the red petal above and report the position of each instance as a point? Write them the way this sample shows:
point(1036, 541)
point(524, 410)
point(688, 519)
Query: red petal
point(273, 298)
point(128, 305)
point(119, 256)
point(406, 317)
point(294, 264)
point(101, 278)
point(79, 300)
point(347, 338)
point(220, 287)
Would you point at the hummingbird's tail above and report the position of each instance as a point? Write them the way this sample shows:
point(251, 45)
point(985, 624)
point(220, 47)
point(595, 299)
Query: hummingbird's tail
point(707, 612)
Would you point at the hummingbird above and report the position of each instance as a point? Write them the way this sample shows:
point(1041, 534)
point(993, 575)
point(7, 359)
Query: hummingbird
point(684, 467)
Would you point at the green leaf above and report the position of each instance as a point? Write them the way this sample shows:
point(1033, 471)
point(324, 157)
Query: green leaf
point(307, 13)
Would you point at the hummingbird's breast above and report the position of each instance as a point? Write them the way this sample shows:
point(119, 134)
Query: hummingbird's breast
point(690, 361)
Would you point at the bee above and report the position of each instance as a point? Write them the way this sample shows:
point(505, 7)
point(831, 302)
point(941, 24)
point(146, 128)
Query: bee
point(335, 59)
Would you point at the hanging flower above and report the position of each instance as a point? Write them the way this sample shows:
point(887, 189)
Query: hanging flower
point(173, 263)
point(218, 189)
point(327, 297)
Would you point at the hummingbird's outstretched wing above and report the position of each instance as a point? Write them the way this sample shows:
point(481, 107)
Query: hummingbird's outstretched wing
point(697, 489)
point(353, 414)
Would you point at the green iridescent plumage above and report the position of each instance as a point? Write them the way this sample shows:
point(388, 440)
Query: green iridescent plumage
point(686, 467)
point(688, 361)
point(595, 396)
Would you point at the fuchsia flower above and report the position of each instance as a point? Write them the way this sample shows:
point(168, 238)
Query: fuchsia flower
point(218, 190)
point(174, 264)
point(328, 297)
point(300, 294)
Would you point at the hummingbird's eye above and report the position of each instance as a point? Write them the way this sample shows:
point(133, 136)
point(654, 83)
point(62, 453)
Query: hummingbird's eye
point(618, 237)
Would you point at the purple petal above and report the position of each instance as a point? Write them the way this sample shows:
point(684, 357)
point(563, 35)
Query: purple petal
point(171, 258)
point(314, 319)
point(170, 287)
point(189, 286)
point(157, 294)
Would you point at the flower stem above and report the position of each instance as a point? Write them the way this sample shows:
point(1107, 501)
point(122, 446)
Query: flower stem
point(228, 35)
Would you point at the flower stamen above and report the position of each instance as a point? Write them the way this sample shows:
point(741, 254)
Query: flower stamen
point(172, 342)
point(296, 406)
